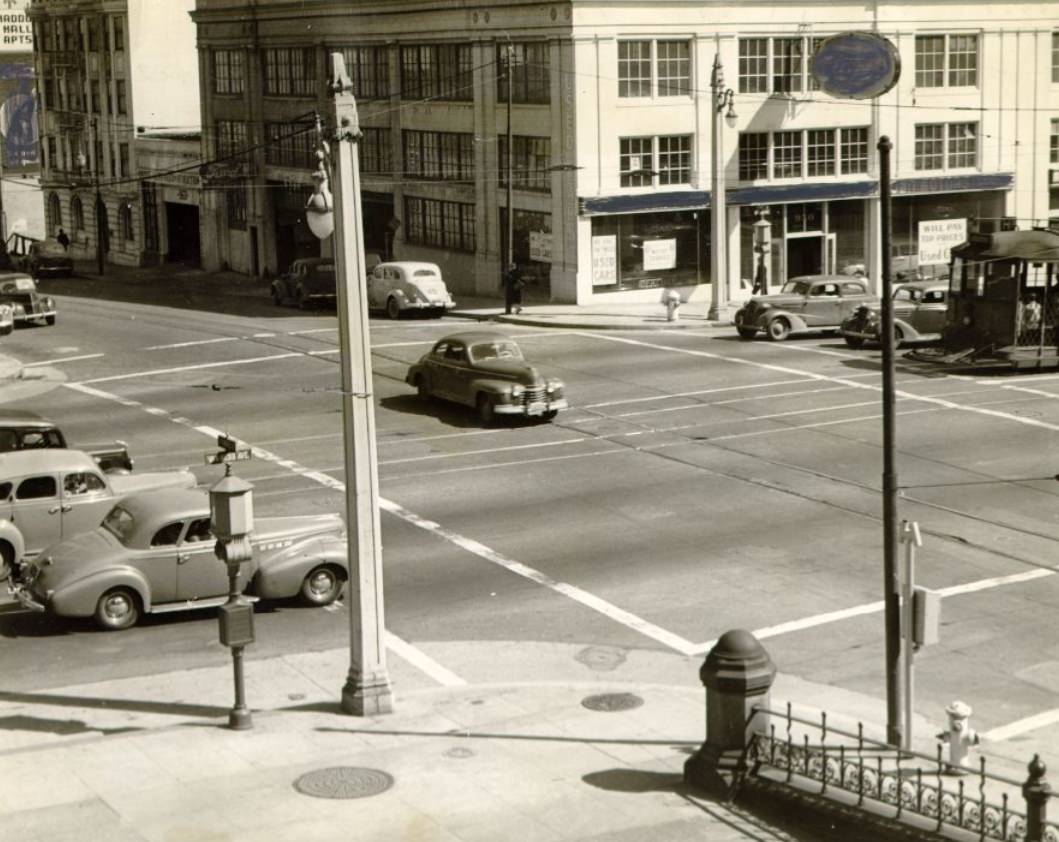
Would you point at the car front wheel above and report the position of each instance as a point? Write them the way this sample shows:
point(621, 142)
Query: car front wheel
point(322, 586)
point(854, 341)
point(423, 388)
point(50, 320)
point(485, 409)
point(779, 329)
point(118, 608)
point(747, 332)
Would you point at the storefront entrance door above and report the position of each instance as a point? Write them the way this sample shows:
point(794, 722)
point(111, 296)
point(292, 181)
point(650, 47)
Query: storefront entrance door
point(805, 256)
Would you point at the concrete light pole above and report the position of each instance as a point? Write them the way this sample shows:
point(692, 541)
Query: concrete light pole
point(509, 255)
point(100, 207)
point(367, 689)
point(722, 98)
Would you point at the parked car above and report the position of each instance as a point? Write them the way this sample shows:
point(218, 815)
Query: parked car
point(486, 370)
point(154, 553)
point(919, 315)
point(46, 257)
point(50, 494)
point(408, 286)
point(309, 281)
point(20, 291)
point(808, 303)
point(24, 430)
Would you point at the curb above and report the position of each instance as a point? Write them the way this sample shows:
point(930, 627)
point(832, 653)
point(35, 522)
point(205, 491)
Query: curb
point(573, 322)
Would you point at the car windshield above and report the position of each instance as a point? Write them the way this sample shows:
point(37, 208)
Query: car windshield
point(119, 523)
point(495, 351)
point(796, 288)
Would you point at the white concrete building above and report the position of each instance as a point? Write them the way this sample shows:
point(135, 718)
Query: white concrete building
point(105, 68)
point(611, 127)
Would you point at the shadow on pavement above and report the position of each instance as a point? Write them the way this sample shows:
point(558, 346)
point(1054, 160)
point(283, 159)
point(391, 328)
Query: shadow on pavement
point(634, 780)
point(59, 727)
point(97, 703)
point(487, 735)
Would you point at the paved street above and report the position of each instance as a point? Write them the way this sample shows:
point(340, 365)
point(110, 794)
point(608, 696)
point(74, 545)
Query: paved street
point(699, 483)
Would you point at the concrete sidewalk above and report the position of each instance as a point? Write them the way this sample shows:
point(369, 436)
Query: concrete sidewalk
point(507, 747)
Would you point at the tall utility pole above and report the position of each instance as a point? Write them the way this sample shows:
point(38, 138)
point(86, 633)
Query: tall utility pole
point(509, 256)
point(100, 208)
point(722, 98)
point(367, 690)
point(891, 586)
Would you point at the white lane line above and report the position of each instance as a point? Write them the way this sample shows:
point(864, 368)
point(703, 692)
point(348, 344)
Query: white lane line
point(696, 392)
point(585, 598)
point(312, 330)
point(712, 404)
point(64, 360)
point(193, 342)
point(507, 449)
point(810, 350)
point(199, 366)
point(507, 465)
point(612, 612)
point(419, 659)
point(1021, 726)
point(263, 335)
point(875, 607)
point(977, 410)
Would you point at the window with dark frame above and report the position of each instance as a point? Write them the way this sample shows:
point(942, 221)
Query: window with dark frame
point(753, 65)
point(437, 71)
point(375, 155)
point(787, 154)
point(654, 68)
point(787, 65)
point(635, 161)
point(753, 156)
point(369, 70)
point(126, 223)
point(229, 72)
point(289, 147)
point(673, 68)
point(290, 71)
point(930, 146)
point(1053, 143)
point(77, 214)
point(530, 164)
point(674, 159)
point(1055, 57)
point(434, 222)
point(438, 155)
point(814, 152)
point(123, 102)
point(235, 205)
point(231, 139)
point(123, 159)
point(854, 150)
point(941, 146)
point(118, 23)
point(634, 68)
point(530, 73)
point(820, 152)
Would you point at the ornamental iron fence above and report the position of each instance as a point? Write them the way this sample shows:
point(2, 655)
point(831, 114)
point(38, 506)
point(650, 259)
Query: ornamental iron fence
point(927, 786)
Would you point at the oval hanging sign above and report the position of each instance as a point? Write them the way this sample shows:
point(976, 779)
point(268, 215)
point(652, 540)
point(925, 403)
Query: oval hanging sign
point(856, 65)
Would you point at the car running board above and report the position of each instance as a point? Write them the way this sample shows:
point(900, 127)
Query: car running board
point(187, 605)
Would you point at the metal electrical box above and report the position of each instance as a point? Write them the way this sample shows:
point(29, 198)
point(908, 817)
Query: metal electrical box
point(237, 623)
point(926, 613)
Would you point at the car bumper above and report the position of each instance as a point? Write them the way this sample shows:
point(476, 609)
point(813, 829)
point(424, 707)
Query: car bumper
point(40, 315)
point(26, 598)
point(53, 270)
point(535, 408)
point(428, 305)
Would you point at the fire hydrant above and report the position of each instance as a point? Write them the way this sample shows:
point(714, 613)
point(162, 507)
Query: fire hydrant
point(671, 298)
point(959, 736)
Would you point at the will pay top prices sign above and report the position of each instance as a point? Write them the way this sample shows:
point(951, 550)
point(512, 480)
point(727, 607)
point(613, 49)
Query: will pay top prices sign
point(937, 236)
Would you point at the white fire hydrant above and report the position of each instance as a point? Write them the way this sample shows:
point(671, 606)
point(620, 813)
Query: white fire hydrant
point(671, 298)
point(959, 737)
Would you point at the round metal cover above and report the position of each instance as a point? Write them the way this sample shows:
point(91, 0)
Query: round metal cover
point(609, 702)
point(343, 782)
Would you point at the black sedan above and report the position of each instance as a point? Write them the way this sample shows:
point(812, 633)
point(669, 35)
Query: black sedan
point(20, 291)
point(486, 370)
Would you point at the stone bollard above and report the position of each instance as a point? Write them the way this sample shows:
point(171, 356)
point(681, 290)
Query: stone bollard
point(1036, 791)
point(737, 675)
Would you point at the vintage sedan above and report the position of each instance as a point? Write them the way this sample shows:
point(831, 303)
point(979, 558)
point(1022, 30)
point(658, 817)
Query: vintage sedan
point(919, 315)
point(808, 303)
point(20, 291)
point(50, 494)
point(309, 281)
point(486, 370)
point(46, 258)
point(408, 287)
point(154, 553)
point(21, 429)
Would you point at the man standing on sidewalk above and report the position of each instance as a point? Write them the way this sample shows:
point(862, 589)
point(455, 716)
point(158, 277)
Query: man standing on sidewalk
point(512, 283)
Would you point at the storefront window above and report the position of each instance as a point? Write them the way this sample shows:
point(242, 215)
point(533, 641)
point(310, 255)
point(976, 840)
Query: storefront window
point(749, 259)
point(532, 250)
point(648, 250)
point(910, 211)
point(846, 220)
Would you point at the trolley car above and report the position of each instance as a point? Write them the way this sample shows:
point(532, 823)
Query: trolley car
point(1003, 303)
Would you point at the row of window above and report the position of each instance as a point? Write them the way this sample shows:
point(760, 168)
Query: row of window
point(428, 71)
point(126, 222)
point(66, 97)
point(808, 152)
point(65, 155)
point(71, 33)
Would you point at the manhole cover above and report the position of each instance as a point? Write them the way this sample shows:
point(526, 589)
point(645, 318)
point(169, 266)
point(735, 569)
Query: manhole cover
point(343, 782)
point(612, 701)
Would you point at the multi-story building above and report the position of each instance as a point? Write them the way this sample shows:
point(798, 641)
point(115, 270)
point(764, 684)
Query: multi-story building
point(611, 122)
point(106, 68)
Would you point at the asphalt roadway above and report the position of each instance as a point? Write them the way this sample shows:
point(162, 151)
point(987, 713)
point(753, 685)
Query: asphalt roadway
point(699, 483)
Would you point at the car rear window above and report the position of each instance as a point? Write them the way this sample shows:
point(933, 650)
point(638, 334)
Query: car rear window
point(424, 273)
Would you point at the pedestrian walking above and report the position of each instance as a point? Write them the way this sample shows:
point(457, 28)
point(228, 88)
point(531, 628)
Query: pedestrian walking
point(513, 284)
point(63, 238)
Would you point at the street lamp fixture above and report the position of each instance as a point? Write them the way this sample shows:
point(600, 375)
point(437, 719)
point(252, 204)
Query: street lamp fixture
point(727, 100)
point(319, 210)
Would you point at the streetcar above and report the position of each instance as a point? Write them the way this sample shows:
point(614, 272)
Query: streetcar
point(1003, 303)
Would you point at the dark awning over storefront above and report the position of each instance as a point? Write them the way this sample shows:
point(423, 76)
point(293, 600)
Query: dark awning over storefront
point(804, 192)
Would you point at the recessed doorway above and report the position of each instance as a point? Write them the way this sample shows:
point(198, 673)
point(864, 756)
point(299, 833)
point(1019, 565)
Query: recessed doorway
point(805, 255)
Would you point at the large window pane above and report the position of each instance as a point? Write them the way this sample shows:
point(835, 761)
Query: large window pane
point(674, 68)
point(930, 61)
point(634, 68)
point(636, 161)
point(753, 65)
point(753, 155)
point(820, 147)
point(787, 155)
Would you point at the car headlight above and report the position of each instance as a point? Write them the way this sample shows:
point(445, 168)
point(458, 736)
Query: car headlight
point(554, 386)
point(516, 391)
point(19, 309)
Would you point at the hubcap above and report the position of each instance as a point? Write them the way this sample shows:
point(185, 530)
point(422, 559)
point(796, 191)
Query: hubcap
point(117, 607)
point(322, 583)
